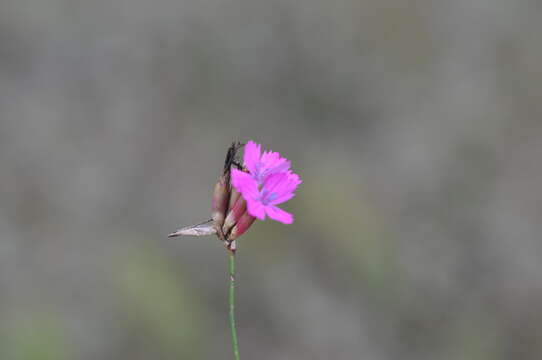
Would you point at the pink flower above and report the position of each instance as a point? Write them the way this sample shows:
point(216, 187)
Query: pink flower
point(268, 183)
point(261, 165)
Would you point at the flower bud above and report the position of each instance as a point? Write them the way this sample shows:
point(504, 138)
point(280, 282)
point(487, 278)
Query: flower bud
point(235, 211)
point(234, 195)
point(242, 225)
point(221, 197)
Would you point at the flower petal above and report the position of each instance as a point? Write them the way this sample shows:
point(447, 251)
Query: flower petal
point(278, 214)
point(251, 156)
point(272, 163)
point(281, 184)
point(281, 199)
point(256, 209)
point(274, 181)
point(245, 184)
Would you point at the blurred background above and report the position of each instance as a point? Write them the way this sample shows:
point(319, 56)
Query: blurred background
point(416, 127)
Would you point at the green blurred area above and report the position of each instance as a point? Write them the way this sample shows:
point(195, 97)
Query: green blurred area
point(162, 306)
point(414, 126)
point(33, 335)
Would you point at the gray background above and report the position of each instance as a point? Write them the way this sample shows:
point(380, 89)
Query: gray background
point(415, 125)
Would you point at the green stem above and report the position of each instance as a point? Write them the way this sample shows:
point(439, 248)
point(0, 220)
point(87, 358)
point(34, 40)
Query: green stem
point(234, 341)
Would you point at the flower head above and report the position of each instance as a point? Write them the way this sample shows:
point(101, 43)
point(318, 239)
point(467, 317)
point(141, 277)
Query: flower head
point(267, 183)
point(262, 165)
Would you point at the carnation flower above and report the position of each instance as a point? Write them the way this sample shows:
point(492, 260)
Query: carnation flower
point(267, 183)
point(246, 193)
point(242, 195)
point(262, 165)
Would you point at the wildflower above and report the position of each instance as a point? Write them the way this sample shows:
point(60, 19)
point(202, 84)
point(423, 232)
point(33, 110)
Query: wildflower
point(243, 194)
point(262, 165)
point(268, 183)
